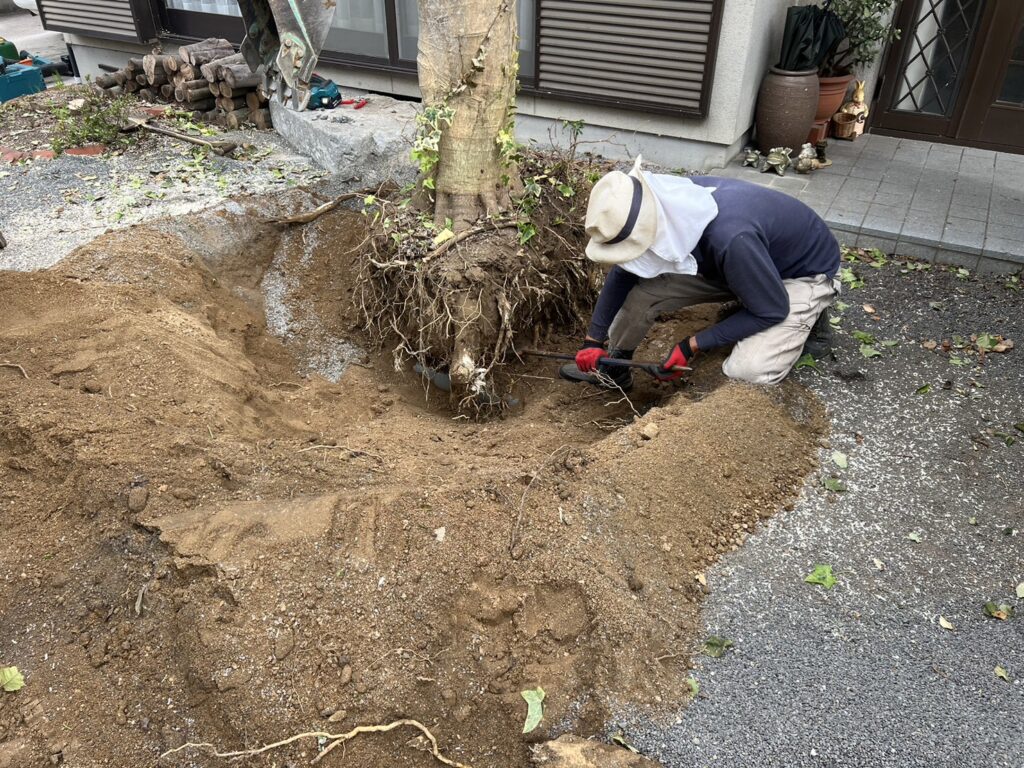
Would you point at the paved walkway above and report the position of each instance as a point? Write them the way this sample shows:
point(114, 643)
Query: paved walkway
point(26, 31)
point(937, 202)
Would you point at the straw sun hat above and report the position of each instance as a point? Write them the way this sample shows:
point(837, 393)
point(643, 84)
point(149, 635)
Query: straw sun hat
point(622, 217)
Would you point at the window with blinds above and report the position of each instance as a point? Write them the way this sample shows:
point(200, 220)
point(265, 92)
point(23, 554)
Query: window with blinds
point(658, 54)
point(113, 19)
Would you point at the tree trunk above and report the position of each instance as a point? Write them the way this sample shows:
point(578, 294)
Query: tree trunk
point(468, 64)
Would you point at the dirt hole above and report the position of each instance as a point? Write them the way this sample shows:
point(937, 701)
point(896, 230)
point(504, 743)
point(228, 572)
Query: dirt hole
point(228, 519)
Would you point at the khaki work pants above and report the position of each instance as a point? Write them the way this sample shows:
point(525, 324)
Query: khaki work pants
point(764, 358)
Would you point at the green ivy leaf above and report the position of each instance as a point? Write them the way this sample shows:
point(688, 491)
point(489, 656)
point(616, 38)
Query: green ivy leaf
point(868, 351)
point(832, 484)
point(822, 574)
point(840, 459)
point(807, 361)
point(716, 646)
point(1001, 673)
point(11, 679)
point(914, 536)
point(534, 707)
point(1002, 611)
point(863, 337)
point(923, 389)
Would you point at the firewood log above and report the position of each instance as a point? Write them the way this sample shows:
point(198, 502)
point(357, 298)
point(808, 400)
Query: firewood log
point(240, 76)
point(235, 119)
point(188, 53)
point(261, 118)
point(211, 69)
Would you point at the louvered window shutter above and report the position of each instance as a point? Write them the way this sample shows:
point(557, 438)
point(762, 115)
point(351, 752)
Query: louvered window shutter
point(113, 19)
point(656, 54)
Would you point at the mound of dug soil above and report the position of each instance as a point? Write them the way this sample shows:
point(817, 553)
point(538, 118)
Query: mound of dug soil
point(202, 541)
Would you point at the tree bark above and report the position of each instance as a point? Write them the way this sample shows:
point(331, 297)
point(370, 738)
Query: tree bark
point(467, 62)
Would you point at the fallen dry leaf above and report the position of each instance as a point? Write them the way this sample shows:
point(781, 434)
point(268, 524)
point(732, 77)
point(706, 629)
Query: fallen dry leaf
point(869, 309)
point(930, 344)
point(946, 623)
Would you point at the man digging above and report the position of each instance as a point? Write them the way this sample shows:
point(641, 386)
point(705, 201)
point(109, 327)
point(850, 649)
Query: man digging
point(676, 242)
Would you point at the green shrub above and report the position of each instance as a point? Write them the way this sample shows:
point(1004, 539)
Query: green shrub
point(98, 121)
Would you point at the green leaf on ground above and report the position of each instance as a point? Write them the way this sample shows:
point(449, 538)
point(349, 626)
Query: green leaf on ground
point(863, 337)
point(914, 536)
point(879, 564)
point(955, 360)
point(716, 646)
point(836, 320)
point(11, 679)
point(869, 351)
point(987, 342)
point(936, 305)
point(443, 236)
point(924, 389)
point(534, 707)
point(807, 361)
point(850, 278)
point(1002, 611)
point(693, 685)
point(890, 343)
point(840, 459)
point(1020, 591)
point(946, 623)
point(1019, 426)
point(840, 306)
point(963, 273)
point(1000, 672)
point(972, 520)
point(832, 484)
point(822, 574)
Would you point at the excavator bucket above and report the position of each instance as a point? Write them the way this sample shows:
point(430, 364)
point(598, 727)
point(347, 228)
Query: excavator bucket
point(283, 42)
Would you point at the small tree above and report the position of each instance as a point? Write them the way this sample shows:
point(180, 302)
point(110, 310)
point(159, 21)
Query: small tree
point(468, 68)
point(868, 25)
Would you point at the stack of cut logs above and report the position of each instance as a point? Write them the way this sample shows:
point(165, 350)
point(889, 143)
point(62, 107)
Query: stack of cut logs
point(207, 77)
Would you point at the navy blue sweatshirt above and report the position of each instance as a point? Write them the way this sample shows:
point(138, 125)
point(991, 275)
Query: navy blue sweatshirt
point(759, 238)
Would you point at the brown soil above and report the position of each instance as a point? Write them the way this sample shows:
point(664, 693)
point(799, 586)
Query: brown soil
point(200, 543)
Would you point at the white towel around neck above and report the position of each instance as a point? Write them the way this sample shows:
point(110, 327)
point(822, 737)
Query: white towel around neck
point(684, 212)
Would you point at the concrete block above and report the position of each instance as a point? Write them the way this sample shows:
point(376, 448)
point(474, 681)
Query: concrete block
point(914, 250)
point(957, 258)
point(844, 219)
point(373, 142)
point(967, 212)
point(882, 243)
point(995, 266)
point(792, 185)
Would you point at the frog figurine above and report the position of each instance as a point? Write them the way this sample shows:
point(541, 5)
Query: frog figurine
point(777, 160)
point(753, 159)
point(857, 107)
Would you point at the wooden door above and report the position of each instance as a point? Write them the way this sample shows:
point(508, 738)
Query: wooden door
point(957, 74)
point(994, 111)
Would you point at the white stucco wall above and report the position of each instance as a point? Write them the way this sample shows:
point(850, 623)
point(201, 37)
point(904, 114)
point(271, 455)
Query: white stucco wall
point(750, 37)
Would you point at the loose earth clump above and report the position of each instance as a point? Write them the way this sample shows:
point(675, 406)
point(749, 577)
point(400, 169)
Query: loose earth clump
point(206, 540)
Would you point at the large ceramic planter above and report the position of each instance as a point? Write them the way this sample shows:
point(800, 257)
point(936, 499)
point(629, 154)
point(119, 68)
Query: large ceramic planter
point(831, 95)
point(785, 108)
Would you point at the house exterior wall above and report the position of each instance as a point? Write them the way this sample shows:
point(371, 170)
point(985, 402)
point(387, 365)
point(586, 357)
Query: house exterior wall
point(749, 41)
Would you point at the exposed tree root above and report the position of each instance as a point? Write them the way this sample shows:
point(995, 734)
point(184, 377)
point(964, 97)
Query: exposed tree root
point(14, 365)
point(461, 303)
point(332, 741)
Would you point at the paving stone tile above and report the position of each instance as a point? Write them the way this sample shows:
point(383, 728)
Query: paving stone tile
point(859, 189)
point(965, 234)
point(1003, 247)
point(791, 184)
point(923, 228)
point(1013, 230)
point(967, 212)
point(895, 201)
point(845, 218)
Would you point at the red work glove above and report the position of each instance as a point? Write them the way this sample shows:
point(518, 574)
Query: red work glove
point(681, 355)
point(586, 358)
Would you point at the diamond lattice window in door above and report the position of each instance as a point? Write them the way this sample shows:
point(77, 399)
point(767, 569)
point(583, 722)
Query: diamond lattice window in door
point(936, 56)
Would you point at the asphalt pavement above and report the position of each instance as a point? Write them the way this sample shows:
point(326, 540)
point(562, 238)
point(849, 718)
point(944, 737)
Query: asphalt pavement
point(931, 525)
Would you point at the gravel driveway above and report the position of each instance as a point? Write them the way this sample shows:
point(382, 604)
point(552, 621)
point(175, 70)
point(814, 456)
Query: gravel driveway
point(864, 674)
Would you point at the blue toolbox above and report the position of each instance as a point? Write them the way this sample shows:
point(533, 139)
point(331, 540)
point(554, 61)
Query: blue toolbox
point(19, 79)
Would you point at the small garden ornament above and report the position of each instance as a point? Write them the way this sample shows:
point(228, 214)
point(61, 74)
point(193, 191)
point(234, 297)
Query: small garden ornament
point(777, 160)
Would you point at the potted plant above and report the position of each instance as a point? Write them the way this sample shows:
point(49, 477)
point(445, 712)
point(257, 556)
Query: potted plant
point(868, 25)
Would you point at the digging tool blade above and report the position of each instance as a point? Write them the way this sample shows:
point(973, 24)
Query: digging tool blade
point(283, 40)
point(654, 369)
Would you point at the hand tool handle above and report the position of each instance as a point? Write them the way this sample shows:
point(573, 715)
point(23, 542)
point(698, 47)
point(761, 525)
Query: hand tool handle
point(651, 368)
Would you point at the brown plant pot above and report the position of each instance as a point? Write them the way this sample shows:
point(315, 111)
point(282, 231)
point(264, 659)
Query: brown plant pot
point(831, 95)
point(785, 108)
